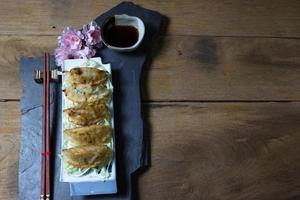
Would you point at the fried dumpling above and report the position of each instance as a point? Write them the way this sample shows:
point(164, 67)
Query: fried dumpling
point(87, 114)
point(88, 135)
point(87, 156)
point(86, 75)
point(85, 93)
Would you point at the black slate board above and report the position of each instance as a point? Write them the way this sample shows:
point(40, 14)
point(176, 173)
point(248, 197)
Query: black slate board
point(131, 148)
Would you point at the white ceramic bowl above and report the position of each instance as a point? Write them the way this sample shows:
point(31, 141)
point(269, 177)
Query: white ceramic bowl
point(126, 20)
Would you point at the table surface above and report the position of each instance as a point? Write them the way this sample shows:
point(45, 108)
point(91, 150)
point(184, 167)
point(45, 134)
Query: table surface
point(221, 98)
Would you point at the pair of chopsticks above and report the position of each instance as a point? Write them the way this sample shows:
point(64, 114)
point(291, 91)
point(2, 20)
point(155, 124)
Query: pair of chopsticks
point(45, 154)
point(46, 77)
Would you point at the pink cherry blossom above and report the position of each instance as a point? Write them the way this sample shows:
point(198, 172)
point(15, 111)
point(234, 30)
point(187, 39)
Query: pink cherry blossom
point(86, 52)
point(62, 54)
point(70, 39)
point(92, 34)
point(74, 44)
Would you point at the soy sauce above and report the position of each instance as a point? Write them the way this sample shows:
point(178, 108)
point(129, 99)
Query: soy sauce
point(119, 35)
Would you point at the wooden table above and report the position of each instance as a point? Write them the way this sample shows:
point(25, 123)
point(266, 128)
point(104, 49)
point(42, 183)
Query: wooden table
point(221, 99)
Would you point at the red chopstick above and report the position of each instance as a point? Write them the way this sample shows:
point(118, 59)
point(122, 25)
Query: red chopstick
point(45, 155)
point(43, 183)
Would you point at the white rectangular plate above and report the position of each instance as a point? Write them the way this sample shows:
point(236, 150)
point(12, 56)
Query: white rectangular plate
point(92, 177)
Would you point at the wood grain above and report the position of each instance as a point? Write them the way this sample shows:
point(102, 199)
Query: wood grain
point(222, 68)
point(200, 151)
point(12, 48)
point(214, 51)
point(223, 151)
point(189, 68)
point(9, 149)
point(267, 18)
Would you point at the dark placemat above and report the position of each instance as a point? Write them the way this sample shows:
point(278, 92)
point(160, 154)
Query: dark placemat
point(131, 148)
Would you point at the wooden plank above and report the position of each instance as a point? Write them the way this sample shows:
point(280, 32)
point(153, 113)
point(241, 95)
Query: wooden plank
point(222, 68)
point(200, 151)
point(9, 149)
point(11, 50)
point(278, 18)
point(189, 68)
point(223, 151)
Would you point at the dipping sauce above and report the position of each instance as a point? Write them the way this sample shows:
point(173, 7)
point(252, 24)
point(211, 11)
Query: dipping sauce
point(119, 35)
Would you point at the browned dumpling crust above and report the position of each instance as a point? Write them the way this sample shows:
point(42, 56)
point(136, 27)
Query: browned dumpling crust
point(85, 93)
point(85, 115)
point(87, 156)
point(86, 75)
point(88, 135)
point(87, 88)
